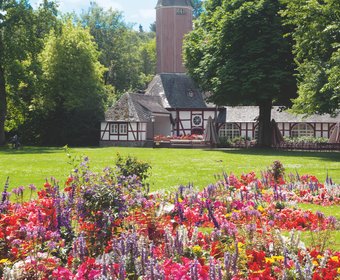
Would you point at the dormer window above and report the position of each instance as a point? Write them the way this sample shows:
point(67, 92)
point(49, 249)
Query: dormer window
point(190, 93)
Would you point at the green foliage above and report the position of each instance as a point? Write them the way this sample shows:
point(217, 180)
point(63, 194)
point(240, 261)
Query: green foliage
point(73, 93)
point(277, 170)
point(238, 52)
point(305, 139)
point(129, 56)
point(128, 166)
point(23, 33)
point(41, 87)
point(317, 53)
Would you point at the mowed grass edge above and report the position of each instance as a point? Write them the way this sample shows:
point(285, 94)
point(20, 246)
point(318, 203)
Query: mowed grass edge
point(170, 167)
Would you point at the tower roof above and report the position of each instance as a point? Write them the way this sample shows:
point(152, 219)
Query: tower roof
point(185, 3)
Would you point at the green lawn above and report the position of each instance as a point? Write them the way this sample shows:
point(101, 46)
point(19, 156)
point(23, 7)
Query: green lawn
point(170, 167)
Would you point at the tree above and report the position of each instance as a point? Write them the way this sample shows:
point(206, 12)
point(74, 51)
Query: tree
point(121, 47)
point(74, 92)
point(15, 40)
point(317, 53)
point(238, 53)
point(198, 7)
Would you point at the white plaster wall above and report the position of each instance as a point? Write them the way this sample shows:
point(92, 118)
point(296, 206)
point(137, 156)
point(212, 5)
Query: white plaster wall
point(114, 137)
point(134, 126)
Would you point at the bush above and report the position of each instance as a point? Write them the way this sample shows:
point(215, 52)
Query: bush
point(305, 139)
point(129, 166)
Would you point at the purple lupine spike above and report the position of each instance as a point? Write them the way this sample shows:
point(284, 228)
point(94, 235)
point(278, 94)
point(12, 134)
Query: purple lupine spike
point(81, 247)
point(235, 258)
point(227, 261)
point(219, 271)
point(285, 257)
point(332, 221)
point(180, 212)
point(211, 214)
point(194, 270)
point(104, 267)
point(297, 176)
point(212, 269)
point(152, 272)
point(143, 260)
point(298, 269)
point(122, 271)
point(320, 215)
point(122, 247)
point(327, 178)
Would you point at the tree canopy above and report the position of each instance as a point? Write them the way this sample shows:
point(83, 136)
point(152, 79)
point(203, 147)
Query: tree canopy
point(317, 54)
point(45, 78)
point(239, 53)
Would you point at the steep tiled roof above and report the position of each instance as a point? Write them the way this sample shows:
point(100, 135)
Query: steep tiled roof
point(177, 90)
point(174, 3)
point(250, 113)
point(135, 107)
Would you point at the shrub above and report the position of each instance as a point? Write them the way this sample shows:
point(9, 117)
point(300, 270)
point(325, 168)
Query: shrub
point(128, 166)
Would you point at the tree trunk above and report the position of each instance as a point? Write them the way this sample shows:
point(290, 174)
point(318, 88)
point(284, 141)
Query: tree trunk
point(264, 137)
point(3, 101)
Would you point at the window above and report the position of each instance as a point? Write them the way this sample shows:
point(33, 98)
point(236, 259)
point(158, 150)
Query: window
point(180, 11)
point(196, 120)
point(119, 128)
point(123, 128)
point(302, 129)
point(114, 128)
point(229, 131)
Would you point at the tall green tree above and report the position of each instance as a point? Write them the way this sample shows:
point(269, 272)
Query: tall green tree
point(15, 41)
point(198, 7)
point(74, 92)
point(21, 40)
point(238, 52)
point(122, 48)
point(317, 53)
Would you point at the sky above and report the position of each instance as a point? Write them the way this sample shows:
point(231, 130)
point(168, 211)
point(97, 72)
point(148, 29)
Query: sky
point(134, 11)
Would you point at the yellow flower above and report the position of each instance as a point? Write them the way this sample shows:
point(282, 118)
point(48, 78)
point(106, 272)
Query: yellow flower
point(319, 257)
point(338, 270)
point(228, 215)
point(196, 249)
point(240, 245)
point(335, 259)
point(278, 258)
point(315, 263)
point(260, 208)
point(5, 261)
point(269, 260)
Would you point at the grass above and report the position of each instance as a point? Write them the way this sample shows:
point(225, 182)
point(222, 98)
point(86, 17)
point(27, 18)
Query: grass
point(311, 238)
point(170, 167)
point(333, 210)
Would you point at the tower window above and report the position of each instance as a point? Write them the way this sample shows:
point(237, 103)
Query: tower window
point(180, 11)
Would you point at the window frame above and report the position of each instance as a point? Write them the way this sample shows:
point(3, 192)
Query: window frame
point(229, 132)
point(306, 131)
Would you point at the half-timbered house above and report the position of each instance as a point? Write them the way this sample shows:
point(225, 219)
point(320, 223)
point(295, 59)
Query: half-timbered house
point(173, 105)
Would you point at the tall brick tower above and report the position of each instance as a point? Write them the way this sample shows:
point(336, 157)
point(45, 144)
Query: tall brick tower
point(173, 21)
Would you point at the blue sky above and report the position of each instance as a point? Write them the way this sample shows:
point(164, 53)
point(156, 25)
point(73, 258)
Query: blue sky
point(134, 11)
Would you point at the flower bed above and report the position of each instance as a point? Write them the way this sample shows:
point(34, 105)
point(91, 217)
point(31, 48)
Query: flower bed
point(190, 137)
point(107, 226)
